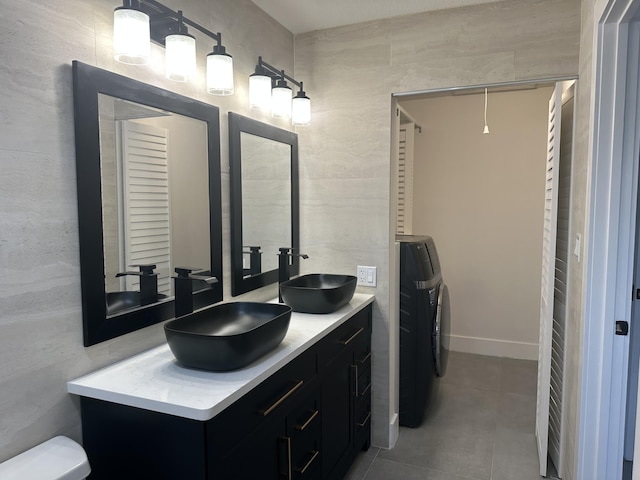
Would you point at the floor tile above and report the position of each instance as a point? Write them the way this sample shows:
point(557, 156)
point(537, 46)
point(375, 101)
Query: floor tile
point(360, 466)
point(389, 470)
point(519, 376)
point(476, 371)
point(516, 456)
point(517, 412)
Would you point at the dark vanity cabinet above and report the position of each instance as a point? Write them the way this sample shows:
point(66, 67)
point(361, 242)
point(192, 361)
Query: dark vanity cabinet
point(308, 420)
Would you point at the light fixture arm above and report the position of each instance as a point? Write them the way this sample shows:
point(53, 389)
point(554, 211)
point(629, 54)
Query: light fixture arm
point(272, 71)
point(163, 18)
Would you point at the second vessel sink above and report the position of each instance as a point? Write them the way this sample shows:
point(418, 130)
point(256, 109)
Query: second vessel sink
point(227, 336)
point(318, 292)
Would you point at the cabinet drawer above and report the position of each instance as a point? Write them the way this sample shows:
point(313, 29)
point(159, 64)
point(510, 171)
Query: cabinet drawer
point(343, 337)
point(272, 398)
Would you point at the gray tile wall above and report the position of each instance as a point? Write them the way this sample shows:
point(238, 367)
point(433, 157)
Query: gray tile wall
point(350, 73)
point(40, 319)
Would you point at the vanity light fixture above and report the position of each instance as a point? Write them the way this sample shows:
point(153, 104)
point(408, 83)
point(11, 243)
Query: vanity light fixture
point(131, 34)
point(168, 28)
point(268, 89)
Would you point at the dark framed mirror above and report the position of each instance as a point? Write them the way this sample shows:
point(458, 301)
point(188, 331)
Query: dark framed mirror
point(264, 201)
point(148, 177)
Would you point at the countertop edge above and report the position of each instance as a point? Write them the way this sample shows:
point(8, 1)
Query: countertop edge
point(80, 386)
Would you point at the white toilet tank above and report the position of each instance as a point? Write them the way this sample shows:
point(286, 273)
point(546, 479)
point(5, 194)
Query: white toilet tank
point(57, 459)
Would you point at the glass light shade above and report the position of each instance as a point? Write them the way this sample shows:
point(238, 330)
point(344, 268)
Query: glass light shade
point(180, 57)
point(220, 74)
point(260, 92)
point(281, 102)
point(301, 110)
point(131, 38)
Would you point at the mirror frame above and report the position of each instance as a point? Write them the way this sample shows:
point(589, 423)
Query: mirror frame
point(88, 83)
point(237, 125)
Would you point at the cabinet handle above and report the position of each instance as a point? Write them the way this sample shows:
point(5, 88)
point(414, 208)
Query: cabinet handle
point(304, 469)
point(366, 419)
point(309, 420)
point(352, 337)
point(367, 357)
point(267, 411)
point(366, 389)
point(287, 442)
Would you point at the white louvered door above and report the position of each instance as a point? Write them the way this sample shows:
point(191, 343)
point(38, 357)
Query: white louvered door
point(405, 178)
point(145, 220)
point(548, 277)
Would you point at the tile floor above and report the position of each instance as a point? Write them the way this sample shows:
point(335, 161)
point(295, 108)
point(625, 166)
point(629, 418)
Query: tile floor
point(480, 428)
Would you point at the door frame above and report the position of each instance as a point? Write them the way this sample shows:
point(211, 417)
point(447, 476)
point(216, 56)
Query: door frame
point(611, 208)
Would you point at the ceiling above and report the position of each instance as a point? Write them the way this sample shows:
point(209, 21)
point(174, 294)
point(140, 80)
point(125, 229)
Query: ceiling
point(300, 16)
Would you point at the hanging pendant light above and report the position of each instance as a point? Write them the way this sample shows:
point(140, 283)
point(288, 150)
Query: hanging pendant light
point(301, 108)
point(260, 89)
point(219, 70)
point(486, 127)
point(281, 99)
point(131, 34)
point(180, 54)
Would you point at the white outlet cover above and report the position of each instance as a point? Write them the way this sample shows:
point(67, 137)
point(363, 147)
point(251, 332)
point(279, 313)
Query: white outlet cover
point(367, 276)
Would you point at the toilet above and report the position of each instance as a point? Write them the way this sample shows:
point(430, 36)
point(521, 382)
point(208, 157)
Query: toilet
point(57, 459)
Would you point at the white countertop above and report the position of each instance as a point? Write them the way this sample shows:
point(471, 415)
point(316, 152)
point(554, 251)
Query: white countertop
point(152, 380)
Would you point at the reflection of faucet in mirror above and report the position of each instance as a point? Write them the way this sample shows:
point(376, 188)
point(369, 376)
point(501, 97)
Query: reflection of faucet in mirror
point(183, 288)
point(284, 263)
point(148, 283)
point(255, 260)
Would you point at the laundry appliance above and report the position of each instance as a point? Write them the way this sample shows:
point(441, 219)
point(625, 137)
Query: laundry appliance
point(424, 326)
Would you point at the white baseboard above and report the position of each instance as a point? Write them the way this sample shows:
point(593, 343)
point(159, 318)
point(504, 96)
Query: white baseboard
point(493, 347)
point(394, 430)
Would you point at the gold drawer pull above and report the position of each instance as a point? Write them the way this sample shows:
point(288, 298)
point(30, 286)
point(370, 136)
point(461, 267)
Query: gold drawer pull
point(288, 474)
point(352, 337)
point(309, 420)
point(366, 419)
point(267, 411)
point(367, 357)
point(304, 469)
point(366, 389)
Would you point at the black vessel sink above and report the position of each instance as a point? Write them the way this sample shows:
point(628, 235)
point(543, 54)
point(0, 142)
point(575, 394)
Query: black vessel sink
point(227, 336)
point(119, 301)
point(318, 292)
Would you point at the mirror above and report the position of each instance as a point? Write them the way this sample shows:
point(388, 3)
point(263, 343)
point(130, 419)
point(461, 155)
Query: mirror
point(148, 175)
point(264, 201)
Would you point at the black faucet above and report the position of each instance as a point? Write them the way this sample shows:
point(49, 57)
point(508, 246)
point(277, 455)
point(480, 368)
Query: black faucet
point(148, 283)
point(183, 302)
point(283, 266)
point(255, 260)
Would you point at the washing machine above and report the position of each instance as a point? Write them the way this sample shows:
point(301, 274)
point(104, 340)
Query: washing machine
point(424, 327)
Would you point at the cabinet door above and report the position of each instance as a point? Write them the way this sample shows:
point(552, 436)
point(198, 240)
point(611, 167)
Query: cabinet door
point(336, 413)
point(258, 456)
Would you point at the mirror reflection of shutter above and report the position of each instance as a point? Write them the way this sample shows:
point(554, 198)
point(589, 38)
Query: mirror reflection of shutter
point(405, 179)
point(145, 220)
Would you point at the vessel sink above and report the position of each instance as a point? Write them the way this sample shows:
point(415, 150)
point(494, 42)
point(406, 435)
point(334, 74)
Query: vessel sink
point(318, 292)
point(119, 301)
point(227, 336)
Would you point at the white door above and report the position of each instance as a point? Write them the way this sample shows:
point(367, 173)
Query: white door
point(548, 274)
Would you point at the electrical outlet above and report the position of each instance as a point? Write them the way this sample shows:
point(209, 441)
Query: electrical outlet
point(367, 276)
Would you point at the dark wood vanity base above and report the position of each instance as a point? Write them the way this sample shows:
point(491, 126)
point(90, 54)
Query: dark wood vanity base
point(308, 420)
